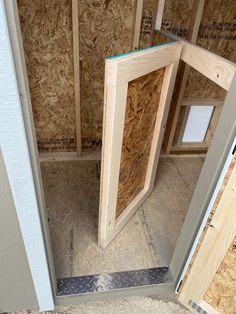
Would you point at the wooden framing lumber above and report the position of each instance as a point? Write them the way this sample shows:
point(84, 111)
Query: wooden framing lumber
point(212, 125)
point(199, 6)
point(69, 156)
point(119, 71)
point(202, 102)
point(75, 27)
point(137, 23)
point(216, 68)
point(215, 244)
point(159, 14)
point(128, 67)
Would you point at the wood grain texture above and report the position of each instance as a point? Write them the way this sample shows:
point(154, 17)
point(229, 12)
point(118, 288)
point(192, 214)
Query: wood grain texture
point(140, 116)
point(47, 38)
point(149, 7)
point(177, 17)
point(106, 29)
point(216, 68)
point(75, 30)
point(217, 33)
point(220, 293)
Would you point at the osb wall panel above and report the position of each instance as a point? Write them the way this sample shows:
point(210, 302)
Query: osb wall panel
point(221, 292)
point(106, 29)
point(158, 38)
point(140, 116)
point(47, 38)
point(146, 31)
point(217, 33)
point(177, 17)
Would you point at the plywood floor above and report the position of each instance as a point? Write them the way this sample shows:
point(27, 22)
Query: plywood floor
point(148, 240)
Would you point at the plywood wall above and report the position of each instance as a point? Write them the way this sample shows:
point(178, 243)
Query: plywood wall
point(106, 29)
point(221, 294)
point(140, 116)
point(177, 17)
point(47, 37)
point(217, 33)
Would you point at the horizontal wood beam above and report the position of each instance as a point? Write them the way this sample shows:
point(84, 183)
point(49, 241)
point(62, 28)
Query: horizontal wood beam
point(202, 102)
point(124, 68)
point(216, 68)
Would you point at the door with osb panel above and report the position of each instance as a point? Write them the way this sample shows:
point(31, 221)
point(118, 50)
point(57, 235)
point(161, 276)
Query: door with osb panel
point(138, 90)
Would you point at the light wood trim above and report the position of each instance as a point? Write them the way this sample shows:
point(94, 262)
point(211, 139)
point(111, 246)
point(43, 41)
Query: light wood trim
point(69, 156)
point(114, 116)
point(215, 245)
point(216, 68)
point(199, 6)
point(115, 225)
point(212, 125)
point(202, 102)
point(75, 31)
point(159, 14)
point(177, 110)
point(137, 23)
point(123, 69)
point(190, 146)
point(183, 126)
point(198, 11)
point(160, 125)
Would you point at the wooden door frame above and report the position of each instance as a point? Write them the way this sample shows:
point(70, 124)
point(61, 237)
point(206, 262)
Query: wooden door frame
point(120, 70)
point(39, 257)
point(214, 240)
point(223, 73)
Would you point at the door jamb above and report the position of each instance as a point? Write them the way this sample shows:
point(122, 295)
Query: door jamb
point(14, 29)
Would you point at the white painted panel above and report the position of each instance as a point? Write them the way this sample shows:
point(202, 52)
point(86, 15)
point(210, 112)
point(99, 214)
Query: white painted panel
point(197, 123)
point(15, 151)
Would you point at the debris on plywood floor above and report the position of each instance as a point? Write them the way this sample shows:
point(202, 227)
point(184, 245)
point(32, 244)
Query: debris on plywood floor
point(72, 199)
point(134, 305)
point(148, 239)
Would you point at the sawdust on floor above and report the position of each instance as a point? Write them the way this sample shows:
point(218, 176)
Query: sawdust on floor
point(148, 239)
point(134, 305)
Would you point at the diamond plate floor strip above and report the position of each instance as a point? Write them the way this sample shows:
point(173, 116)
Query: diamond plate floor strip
point(113, 281)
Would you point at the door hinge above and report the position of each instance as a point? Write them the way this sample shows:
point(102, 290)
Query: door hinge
point(233, 152)
point(197, 308)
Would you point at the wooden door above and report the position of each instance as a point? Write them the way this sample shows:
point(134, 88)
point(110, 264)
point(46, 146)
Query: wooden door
point(210, 282)
point(138, 89)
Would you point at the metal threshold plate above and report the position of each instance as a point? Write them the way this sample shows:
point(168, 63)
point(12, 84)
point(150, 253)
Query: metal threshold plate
point(113, 281)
